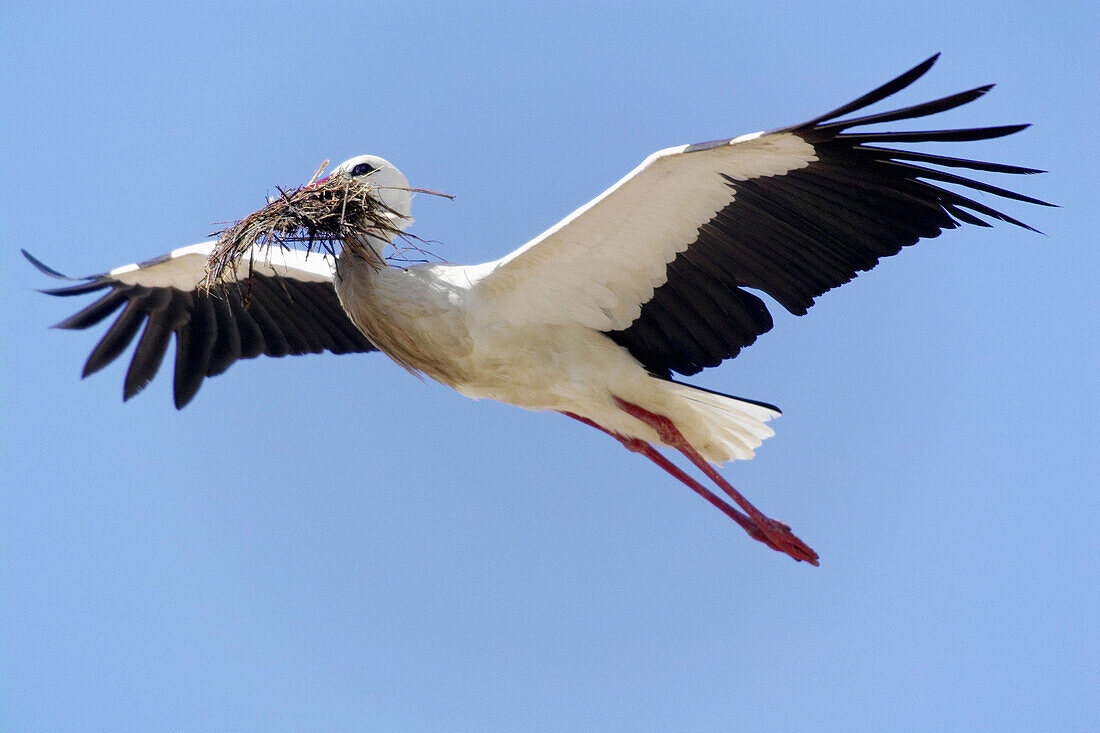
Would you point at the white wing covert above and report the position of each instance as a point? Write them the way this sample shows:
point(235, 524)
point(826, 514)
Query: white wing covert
point(602, 262)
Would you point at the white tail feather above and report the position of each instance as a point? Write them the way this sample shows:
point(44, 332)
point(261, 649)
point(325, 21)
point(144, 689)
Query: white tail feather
point(725, 428)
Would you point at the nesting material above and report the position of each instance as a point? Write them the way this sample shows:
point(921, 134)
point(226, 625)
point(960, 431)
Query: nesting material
point(319, 215)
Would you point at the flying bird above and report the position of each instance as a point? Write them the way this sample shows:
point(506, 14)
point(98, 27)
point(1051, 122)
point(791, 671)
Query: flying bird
point(593, 317)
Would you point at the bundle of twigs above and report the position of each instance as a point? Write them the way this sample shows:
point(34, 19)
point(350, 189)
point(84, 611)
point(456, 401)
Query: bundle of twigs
point(339, 209)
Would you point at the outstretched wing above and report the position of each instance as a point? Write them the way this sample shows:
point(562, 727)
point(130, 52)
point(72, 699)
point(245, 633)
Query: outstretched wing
point(287, 306)
point(660, 260)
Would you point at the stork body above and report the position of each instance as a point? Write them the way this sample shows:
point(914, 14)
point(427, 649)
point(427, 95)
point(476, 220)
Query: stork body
point(431, 319)
point(591, 318)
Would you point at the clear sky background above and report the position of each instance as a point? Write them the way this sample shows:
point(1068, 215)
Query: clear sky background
point(326, 543)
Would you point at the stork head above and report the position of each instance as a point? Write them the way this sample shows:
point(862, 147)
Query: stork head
point(392, 186)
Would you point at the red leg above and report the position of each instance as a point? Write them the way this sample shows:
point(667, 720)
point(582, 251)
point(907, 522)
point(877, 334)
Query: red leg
point(634, 445)
point(779, 534)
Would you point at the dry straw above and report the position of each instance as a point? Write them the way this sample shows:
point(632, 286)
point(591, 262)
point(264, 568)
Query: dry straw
point(337, 210)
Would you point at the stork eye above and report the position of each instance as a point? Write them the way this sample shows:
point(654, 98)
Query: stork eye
point(362, 169)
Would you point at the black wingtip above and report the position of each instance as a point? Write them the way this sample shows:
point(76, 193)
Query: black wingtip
point(184, 391)
point(84, 284)
point(925, 65)
point(876, 95)
point(43, 267)
point(133, 385)
point(914, 73)
point(91, 367)
point(90, 286)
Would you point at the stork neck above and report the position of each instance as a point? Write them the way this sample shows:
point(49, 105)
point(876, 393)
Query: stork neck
point(375, 249)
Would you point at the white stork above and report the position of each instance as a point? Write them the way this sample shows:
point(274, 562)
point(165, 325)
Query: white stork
point(592, 317)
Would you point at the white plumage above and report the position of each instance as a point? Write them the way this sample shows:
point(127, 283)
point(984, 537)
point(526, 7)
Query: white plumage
point(592, 317)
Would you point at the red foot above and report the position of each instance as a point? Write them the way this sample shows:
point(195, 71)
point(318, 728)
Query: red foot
point(775, 535)
point(779, 535)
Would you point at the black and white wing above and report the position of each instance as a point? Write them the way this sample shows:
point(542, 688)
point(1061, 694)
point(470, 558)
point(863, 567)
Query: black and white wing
point(287, 306)
point(660, 261)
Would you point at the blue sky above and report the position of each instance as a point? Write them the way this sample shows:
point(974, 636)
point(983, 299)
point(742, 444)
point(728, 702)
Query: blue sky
point(325, 543)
